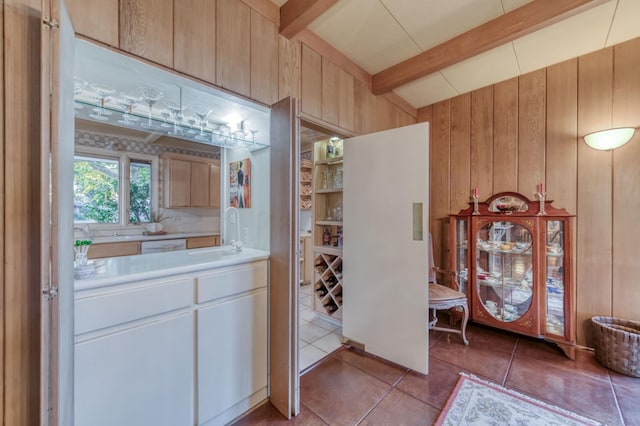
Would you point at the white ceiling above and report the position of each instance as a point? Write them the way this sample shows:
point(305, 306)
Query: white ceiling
point(376, 34)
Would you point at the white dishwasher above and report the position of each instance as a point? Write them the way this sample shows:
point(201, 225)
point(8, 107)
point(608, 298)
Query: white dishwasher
point(162, 245)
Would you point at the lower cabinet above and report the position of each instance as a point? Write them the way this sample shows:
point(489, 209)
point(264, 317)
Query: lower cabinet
point(141, 375)
point(240, 328)
point(181, 350)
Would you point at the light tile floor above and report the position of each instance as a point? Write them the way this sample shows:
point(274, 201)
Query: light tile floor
point(318, 337)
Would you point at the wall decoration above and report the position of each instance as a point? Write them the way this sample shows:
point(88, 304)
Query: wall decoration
point(240, 184)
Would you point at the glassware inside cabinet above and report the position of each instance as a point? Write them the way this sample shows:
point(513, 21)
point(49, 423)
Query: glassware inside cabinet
point(461, 265)
point(555, 277)
point(504, 269)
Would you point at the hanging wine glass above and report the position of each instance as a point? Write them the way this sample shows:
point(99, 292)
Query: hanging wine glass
point(202, 111)
point(176, 112)
point(191, 121)
point(150, 95)
point(128, 102)
point(102, 95)
point(224, 133)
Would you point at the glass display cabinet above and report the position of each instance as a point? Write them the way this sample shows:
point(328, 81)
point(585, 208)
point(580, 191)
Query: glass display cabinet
point(512, 257)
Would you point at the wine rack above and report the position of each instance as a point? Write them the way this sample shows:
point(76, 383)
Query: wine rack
point(328, 284)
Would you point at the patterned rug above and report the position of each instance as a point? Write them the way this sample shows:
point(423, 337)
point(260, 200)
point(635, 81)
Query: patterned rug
point(478, 402)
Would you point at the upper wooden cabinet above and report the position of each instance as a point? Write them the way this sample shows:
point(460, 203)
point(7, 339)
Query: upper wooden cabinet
point(311, 82)
point(97, 19)
point(194, 39)
point(264, 59)
point(146, 29)
point(191, 181)
point(233, 41)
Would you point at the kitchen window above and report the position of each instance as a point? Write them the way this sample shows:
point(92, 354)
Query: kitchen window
point(113, 189)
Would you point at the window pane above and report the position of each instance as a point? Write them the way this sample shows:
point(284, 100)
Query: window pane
point(139, 192)
point(95, 190)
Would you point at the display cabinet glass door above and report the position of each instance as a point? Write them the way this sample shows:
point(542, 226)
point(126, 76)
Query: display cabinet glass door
point(504, 270)
point(555, 297)
point(461, 254)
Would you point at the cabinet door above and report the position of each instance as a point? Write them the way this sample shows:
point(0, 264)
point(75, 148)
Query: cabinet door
point(232, 354)
point(178, 183)
point(146, 29)
point(199, 183)
point(97, 19)
point(97, 251)
point(194, 40)
point(214, 186)
point(233, 41)
point(142, 375)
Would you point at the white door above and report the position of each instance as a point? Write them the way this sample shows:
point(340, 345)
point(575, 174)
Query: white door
point(386, 205)
point(58, 40)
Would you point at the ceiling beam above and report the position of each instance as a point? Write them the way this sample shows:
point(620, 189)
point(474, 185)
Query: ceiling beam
point(296, 15)
point(506, 28)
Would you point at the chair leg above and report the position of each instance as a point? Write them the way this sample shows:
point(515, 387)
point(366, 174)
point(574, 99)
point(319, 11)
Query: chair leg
point(463, 326)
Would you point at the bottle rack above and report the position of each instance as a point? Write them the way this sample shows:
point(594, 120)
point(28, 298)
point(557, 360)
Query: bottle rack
point(328, 284)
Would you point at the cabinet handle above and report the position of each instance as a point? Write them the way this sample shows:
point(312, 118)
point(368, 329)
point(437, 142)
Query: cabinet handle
point(418, 233)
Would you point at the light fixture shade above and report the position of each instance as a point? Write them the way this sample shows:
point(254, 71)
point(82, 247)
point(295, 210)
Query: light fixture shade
point(609, 139)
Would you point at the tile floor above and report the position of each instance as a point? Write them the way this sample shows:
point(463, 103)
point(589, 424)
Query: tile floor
point(318, 337)
point(349, 388)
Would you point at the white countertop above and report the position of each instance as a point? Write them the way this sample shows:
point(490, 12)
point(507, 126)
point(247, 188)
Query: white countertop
point(119, 270)
point(140, 237)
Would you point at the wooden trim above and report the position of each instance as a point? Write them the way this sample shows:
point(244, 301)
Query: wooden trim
point(312, 40)
point(266, 8)
point(398, 101)
point(503, 29)
point(315, 123)
point(2, 215)
point(295, 15)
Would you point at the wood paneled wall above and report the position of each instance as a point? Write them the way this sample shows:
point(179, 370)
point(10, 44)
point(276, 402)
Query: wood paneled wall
point(234, 44)
point(515, 134)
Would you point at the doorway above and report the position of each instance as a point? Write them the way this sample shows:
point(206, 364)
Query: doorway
point(319, 334)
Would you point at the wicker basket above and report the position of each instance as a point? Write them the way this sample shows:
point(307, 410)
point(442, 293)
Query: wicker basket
point(617, 344)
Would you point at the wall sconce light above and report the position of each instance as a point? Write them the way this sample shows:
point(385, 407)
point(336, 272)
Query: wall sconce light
point(609, 139)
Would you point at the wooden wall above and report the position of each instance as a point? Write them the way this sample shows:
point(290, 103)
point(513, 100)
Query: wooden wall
point(233, 44)
point(515, 134)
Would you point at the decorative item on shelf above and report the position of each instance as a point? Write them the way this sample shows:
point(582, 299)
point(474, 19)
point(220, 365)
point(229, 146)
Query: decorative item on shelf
point(337, 178)
point(338, 147)
point(326, 177)
point(610, 138)
point(475, 201)
point(102, 96)
point(541, 197)
point(80, 248)
point(330, 149)
point(326, 237)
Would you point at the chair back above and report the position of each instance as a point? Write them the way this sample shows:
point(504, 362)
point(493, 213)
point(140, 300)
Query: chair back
point(432, 263)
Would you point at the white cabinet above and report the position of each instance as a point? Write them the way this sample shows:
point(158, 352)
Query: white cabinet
point(184, 349)
point(141, 375)
point(234, 374)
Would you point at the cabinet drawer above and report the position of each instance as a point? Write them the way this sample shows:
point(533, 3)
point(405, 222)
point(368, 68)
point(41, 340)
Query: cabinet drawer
point(199, 242)
point(231, 280)
point(107, 310)
point(128, 248)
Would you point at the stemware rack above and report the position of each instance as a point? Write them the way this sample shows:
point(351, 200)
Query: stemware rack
point(154, 122)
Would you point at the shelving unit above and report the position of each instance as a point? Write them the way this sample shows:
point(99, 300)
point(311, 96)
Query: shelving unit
point(306, 184)
point(327, 229)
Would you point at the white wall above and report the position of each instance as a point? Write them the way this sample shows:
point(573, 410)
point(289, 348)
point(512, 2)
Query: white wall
point(254, 221)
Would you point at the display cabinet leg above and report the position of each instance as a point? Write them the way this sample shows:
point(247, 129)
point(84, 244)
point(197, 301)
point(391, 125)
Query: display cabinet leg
point(568, 349)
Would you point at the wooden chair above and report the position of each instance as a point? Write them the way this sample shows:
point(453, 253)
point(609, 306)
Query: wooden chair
point(442, 297)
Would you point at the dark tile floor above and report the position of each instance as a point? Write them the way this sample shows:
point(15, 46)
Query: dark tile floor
point(349, 388)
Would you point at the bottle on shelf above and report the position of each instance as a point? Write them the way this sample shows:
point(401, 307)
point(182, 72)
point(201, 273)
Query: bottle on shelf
point(326, 237)
point(321, 290)
point(330, 306)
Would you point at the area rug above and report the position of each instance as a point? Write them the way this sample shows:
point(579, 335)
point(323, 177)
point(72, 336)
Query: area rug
point(478, 402)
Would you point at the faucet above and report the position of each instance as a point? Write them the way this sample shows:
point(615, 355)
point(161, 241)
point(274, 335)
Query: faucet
point(235, 244)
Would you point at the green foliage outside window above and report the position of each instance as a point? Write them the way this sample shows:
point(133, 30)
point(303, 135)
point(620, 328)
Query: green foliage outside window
point(95, 185)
